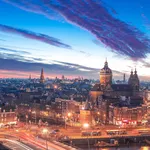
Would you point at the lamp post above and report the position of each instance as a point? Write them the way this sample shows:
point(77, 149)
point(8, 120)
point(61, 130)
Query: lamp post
point(86, 126)
point(34, 112)
point(69, 115)
point(26, 119)
point(45, 131)
point(65, 122)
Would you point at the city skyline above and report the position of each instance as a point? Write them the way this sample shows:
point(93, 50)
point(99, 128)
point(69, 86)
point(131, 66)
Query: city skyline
point(35, 35)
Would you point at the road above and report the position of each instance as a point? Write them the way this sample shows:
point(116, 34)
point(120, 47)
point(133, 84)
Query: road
point(29, 141)
point(15, 145)
point(25, 141)
point(40, 142)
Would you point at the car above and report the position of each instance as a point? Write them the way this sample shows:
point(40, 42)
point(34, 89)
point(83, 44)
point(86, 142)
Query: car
point(56, 130)
point(97, 128)
point(86, 133)
point(96, 133)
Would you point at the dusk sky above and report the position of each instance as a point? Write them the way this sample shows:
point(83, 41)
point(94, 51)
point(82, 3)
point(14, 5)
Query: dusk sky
point(74, 37)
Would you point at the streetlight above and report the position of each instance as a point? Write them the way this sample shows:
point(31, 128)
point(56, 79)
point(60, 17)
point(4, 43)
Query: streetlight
point(45, 131)
point(65, 122)
point(86, 126)
point(69, 115)
point(34, 112)
point(26, 119)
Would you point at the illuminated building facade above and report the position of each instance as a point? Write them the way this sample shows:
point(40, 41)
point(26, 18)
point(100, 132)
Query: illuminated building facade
point(127, 116)
point(86, 116)
point(147, 102)
point(105, 94)
point(7, 118)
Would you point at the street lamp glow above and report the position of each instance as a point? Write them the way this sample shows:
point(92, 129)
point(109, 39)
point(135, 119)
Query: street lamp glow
point(69, 114)
point(85, 125)
point(55, 87)
point(45, 131)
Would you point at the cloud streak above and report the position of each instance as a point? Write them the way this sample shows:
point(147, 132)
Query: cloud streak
point(94, 16)
point(15, 62)
point(2, 49)
point(2, 40)
point(34, 36)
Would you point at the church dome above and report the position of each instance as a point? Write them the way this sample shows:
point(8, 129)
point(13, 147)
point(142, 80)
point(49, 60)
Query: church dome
point(106, 69)
point(105, 75)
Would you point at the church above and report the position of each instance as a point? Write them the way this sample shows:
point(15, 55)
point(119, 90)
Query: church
point(115, 103)
point(107, 88)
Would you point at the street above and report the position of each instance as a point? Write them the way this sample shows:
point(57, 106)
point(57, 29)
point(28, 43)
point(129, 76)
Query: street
point(15, 145)
point(22, 140)
point(33, 138)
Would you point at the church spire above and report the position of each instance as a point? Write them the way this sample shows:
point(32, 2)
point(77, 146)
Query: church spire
point(106, 63)
point(131, 71)
point(135, 72)
point(134, 80)
point(124, 77)
point(42, 76)
point(30, 77)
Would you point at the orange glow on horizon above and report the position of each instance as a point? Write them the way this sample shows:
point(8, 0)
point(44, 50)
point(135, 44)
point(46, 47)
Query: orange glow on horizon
point(36, 74)
point(26, 74)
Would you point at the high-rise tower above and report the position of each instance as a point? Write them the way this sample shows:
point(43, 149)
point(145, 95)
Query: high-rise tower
point(42, 76)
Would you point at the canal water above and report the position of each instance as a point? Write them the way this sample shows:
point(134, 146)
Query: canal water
point(121, 148)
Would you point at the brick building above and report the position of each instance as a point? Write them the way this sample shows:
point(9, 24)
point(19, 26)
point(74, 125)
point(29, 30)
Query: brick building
point(7, 117)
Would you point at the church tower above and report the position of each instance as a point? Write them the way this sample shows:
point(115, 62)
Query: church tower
point(42, 76)
point(30, 77)
point(130, 78)
point(134, 81)
point(124, 77)
point(105, 75)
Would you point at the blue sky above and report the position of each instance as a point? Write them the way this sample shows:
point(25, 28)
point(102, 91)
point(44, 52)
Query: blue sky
point(84, 52)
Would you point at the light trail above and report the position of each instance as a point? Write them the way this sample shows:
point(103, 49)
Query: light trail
point(18, 143)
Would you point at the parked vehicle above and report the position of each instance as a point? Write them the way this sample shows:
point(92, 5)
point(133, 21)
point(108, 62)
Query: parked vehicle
point(91, 133)
point(84, 133)
point(96, 133)
point(116, 132)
